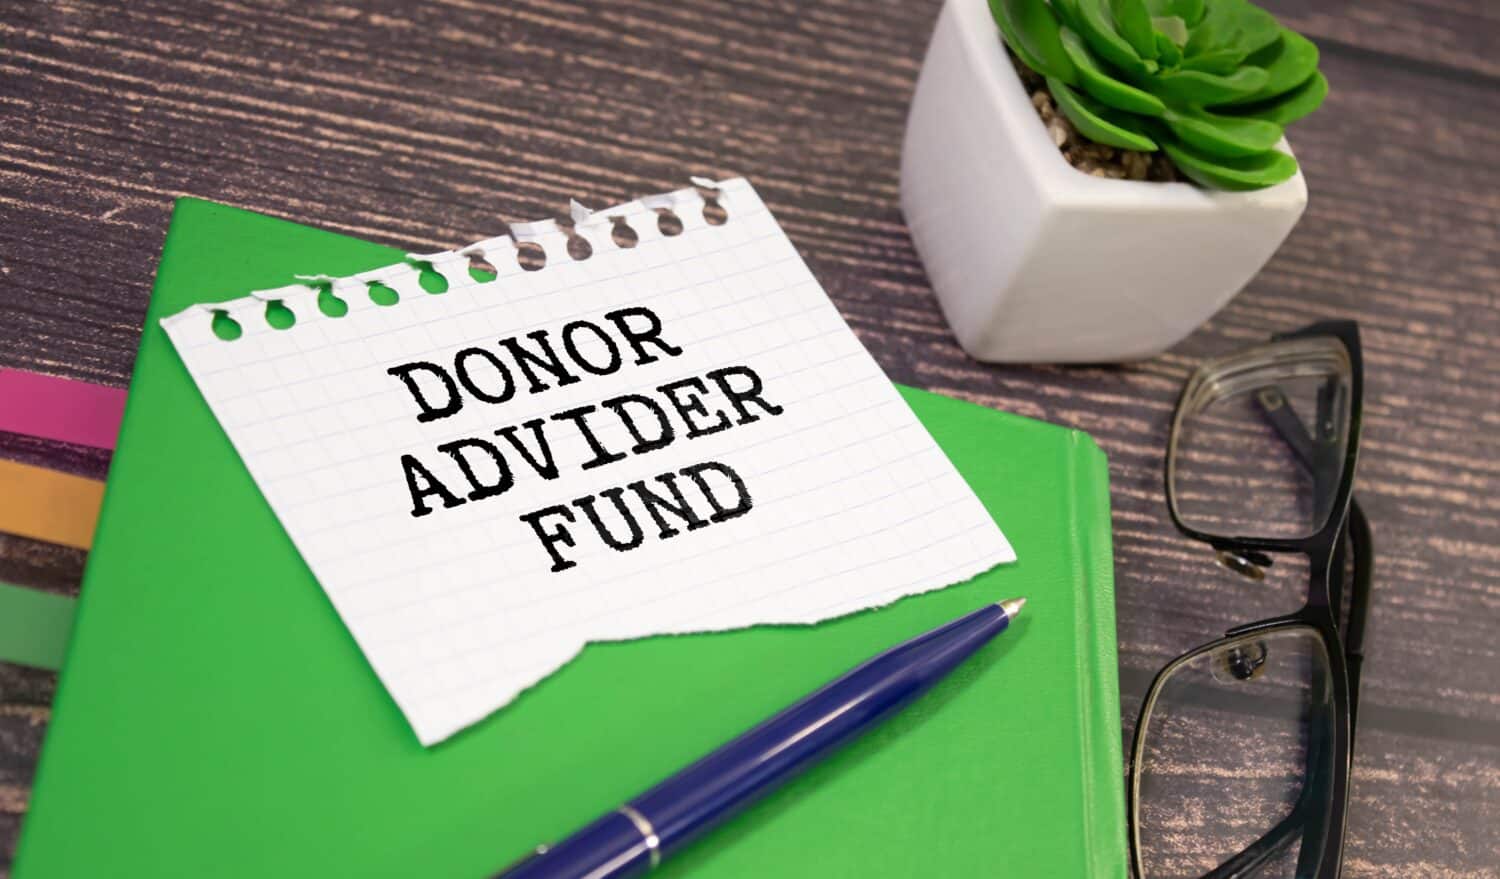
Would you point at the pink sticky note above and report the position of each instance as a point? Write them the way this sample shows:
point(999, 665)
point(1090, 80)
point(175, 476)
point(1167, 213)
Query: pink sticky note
point(60, 409)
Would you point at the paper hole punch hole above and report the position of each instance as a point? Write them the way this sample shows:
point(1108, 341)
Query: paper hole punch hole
point(668, 222)
point(622, 234)
point(429, 278)
point(579, 247)
point(279, 316)
point(714, 212)
point(382, 294)
point(226, 327)
point(329, 302)
point(531, 256)
point(480, 268)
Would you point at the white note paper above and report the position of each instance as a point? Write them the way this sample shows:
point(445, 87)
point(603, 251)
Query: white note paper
point(681, 435)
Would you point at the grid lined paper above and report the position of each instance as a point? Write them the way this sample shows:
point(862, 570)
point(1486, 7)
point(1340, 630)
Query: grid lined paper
point(850, 503)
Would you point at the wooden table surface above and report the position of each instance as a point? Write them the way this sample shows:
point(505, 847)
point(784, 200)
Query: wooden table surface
point(426, 126)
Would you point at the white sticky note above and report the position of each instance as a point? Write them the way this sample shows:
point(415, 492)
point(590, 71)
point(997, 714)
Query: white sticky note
point(681, 435)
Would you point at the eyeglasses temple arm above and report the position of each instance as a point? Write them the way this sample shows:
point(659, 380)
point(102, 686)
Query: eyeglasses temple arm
point(1298, 821)
point(1292, 431)
point(1363, 546)
point(1317, 791)
point(1319, 455)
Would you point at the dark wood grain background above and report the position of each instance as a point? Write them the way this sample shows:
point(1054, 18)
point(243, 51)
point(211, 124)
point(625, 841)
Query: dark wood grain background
point(429, 125)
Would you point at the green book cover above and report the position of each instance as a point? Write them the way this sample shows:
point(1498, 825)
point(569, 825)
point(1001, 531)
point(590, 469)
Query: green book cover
point(215, 718)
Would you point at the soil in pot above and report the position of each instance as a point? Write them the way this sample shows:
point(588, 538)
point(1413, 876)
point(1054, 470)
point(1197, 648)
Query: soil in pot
point(1087, 156)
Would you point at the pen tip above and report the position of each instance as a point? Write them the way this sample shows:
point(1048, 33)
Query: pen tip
point(1012, 606)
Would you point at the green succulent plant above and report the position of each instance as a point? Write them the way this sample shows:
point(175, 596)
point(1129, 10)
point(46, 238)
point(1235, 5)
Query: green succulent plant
point(1210, 82)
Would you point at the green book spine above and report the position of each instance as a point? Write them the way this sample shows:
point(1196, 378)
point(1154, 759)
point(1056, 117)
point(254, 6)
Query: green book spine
point(1101, 687)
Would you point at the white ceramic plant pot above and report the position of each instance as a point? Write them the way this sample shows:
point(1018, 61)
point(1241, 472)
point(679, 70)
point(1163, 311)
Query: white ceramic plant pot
point(1035, 261)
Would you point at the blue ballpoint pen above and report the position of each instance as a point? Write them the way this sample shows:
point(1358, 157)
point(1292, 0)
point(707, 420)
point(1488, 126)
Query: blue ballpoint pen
point(637, 836)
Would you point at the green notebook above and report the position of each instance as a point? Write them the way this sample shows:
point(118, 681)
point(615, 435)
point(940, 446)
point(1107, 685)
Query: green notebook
point(215, 718)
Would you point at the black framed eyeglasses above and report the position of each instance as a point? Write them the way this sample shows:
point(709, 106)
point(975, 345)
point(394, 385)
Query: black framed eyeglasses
point(1242, 753)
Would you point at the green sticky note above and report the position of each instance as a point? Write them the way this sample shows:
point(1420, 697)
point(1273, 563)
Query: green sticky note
point(34, 626)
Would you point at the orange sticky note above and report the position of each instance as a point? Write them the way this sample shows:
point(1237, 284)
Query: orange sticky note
point(48, 505)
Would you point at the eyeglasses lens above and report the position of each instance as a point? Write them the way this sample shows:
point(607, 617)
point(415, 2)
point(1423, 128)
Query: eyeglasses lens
point(1237, 758)
point(1259, 445)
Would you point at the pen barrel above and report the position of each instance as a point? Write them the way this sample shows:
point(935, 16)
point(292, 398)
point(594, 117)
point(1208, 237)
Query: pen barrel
point(738, 774)
point(611, 847)
point(667, 817)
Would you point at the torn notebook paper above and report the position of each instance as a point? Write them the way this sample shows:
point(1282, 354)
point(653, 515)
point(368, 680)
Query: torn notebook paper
point(666, 428)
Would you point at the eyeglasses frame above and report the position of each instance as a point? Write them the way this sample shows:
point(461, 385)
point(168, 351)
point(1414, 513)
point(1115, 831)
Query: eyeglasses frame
point(1325, 551)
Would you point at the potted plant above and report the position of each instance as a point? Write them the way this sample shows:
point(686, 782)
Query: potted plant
point(1102, 188)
